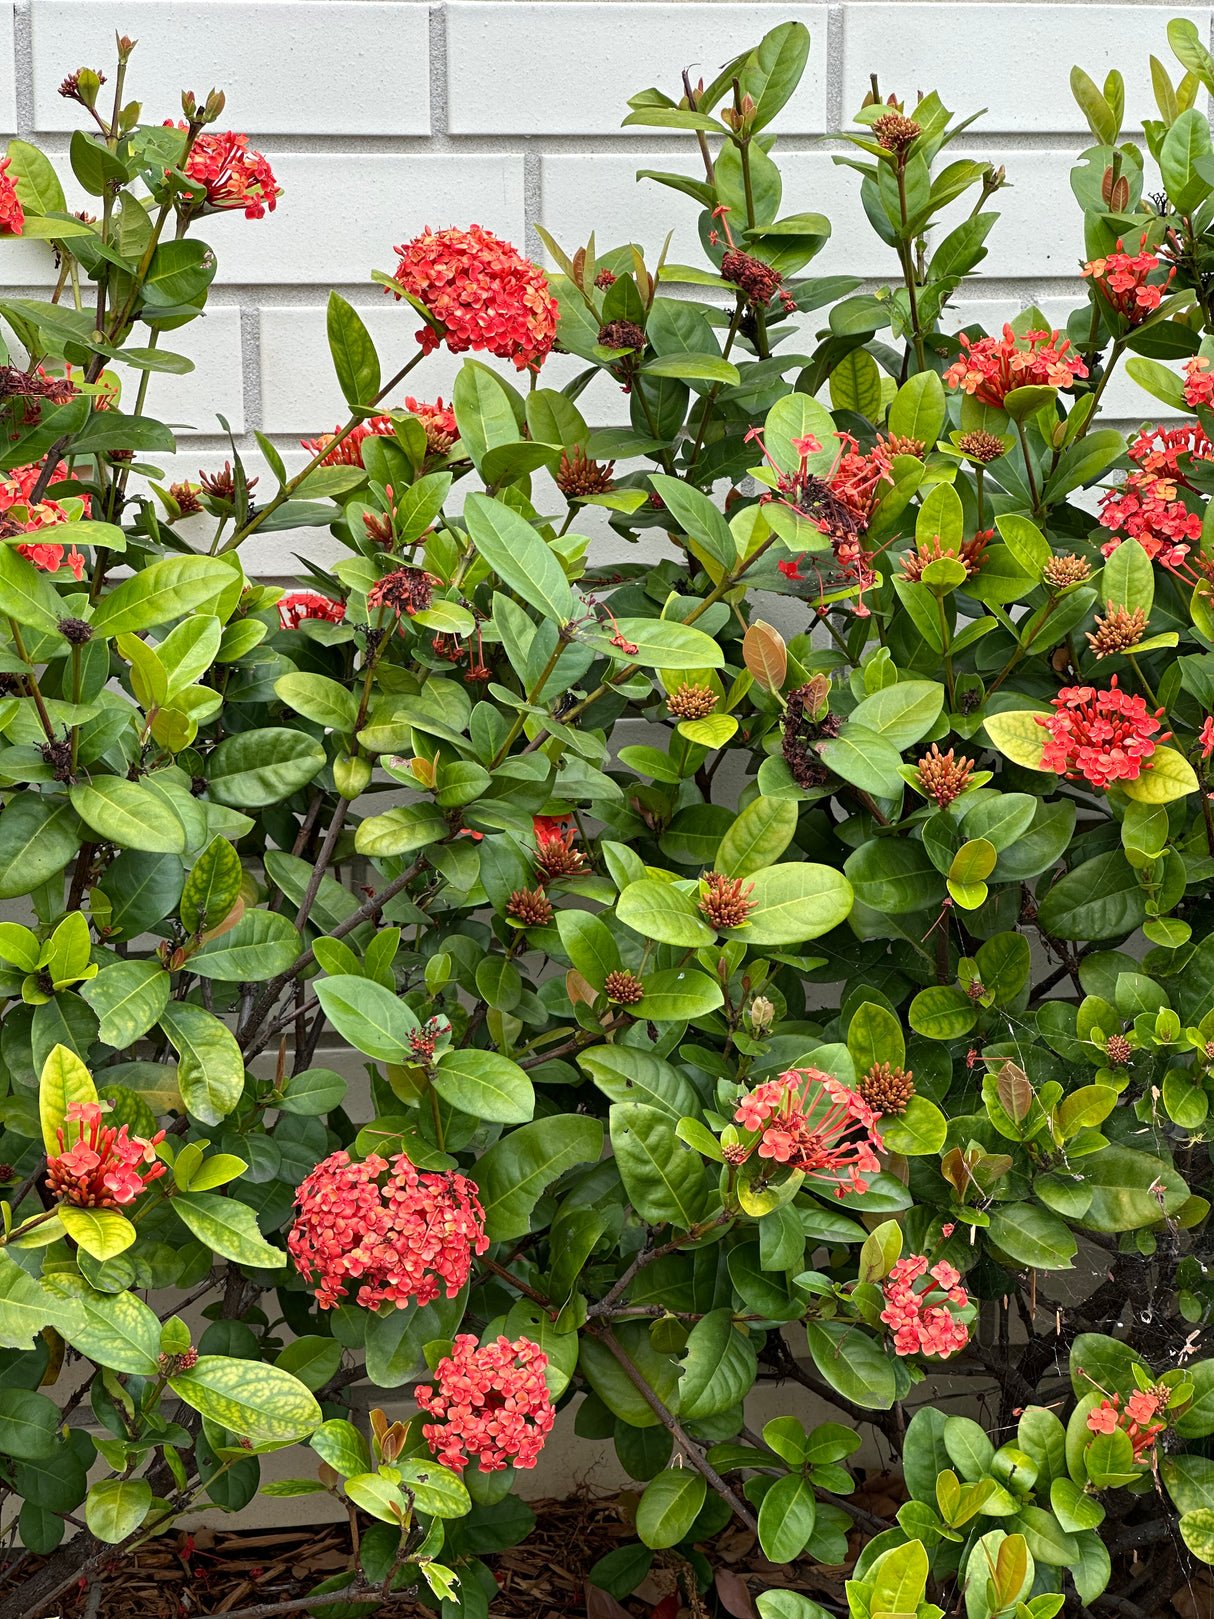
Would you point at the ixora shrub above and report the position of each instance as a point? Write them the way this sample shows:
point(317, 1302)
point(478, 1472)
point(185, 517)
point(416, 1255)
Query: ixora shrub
point(625, 1141)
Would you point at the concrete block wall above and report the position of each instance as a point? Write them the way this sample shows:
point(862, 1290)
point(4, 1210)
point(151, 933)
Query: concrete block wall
point(382, 116)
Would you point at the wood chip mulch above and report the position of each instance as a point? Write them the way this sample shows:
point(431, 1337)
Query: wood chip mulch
point(220, 1572)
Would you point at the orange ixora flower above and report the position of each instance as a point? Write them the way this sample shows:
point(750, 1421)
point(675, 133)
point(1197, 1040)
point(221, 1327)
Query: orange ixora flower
point(483, 292)
point(12, 215)
point(991, 367)
point(234, 175)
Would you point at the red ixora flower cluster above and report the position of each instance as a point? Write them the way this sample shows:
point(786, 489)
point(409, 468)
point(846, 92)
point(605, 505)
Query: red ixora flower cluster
point(294, 609)
point(1121, 279)
point(12, 215)
point(992, 366)
point(483, 291)
point(811, 1122)
point(1145, 507)
point(102, 1168)
point(437, 421)
point(1139, 1421)
point(922, 1322)
point(403, 1240)
point(1104, 736)
point(1198, 382)
point(492, 1403)
point(233, 174)
point(18, 516)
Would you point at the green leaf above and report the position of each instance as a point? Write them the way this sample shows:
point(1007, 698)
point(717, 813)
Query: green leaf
point(1100, 899)
point(256, 1401)
point(661, 643)
point(1158, 381)
point(719, 1366)
point(38, 836)
point(256, 768)
point(758, 837)
point(128, 814)
point(693, 368)
point(773, 72)
point(589, 944)
point(128, 998)
point(658, 910)
point(369, 1016)
point(211, 889)
point(786, 1518)
point(64, 1079)
point(229, 1227)
point(104, 1233)
point(210, 1069)
point(678, 994)
point(662, 1175)
point(670, 1505)
point(864, 759)
point(485, 1085)
point(117, 1330)
point(628, 1074)
point(1197, 1532)
point(794, 902)
point(851, 1363)
point(519, 557)
point(401, 831)
point(901, 714)
point(340, 1443)
point(1130, 1189)
point(354, 356)
point(26, 595)
point(514, 1172)
point(115, 1507)
point(319, 699)
point(1032, 1236)
point(260, 946)
point(918, 1132)
point(167, 589)
point(695, 511)
point(1166, 775)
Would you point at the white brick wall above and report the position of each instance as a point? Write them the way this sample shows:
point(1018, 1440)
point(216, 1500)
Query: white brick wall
point(383, 116)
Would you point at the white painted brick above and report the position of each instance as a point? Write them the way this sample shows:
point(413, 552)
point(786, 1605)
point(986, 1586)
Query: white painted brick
point(1015, 60)
point(190, 404)
point(1040, 230)
point(517, 67)
point(8, 69)
point(340, 217)
point(602, 195)
point(286, 66)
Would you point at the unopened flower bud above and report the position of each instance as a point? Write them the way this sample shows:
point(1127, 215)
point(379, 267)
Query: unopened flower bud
point(216, 102)
point(125, 47)
point(762, 1012)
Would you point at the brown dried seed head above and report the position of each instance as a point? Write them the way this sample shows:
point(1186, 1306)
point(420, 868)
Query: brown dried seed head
point(975, 989)
point(887, 1089)
point(604, 279)
point(757, 280)
point(622, 334)
point(691, 702)
point(942, 777)
point(1117, 631)
point(1064, 570)
point(623, 987)
point(404, 590)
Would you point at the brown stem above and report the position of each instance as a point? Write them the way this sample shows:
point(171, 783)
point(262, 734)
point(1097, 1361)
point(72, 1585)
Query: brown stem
point(688, 1445)
point(322, 863)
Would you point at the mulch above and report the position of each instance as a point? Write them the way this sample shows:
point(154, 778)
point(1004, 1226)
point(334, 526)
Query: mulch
point(215, 1571)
